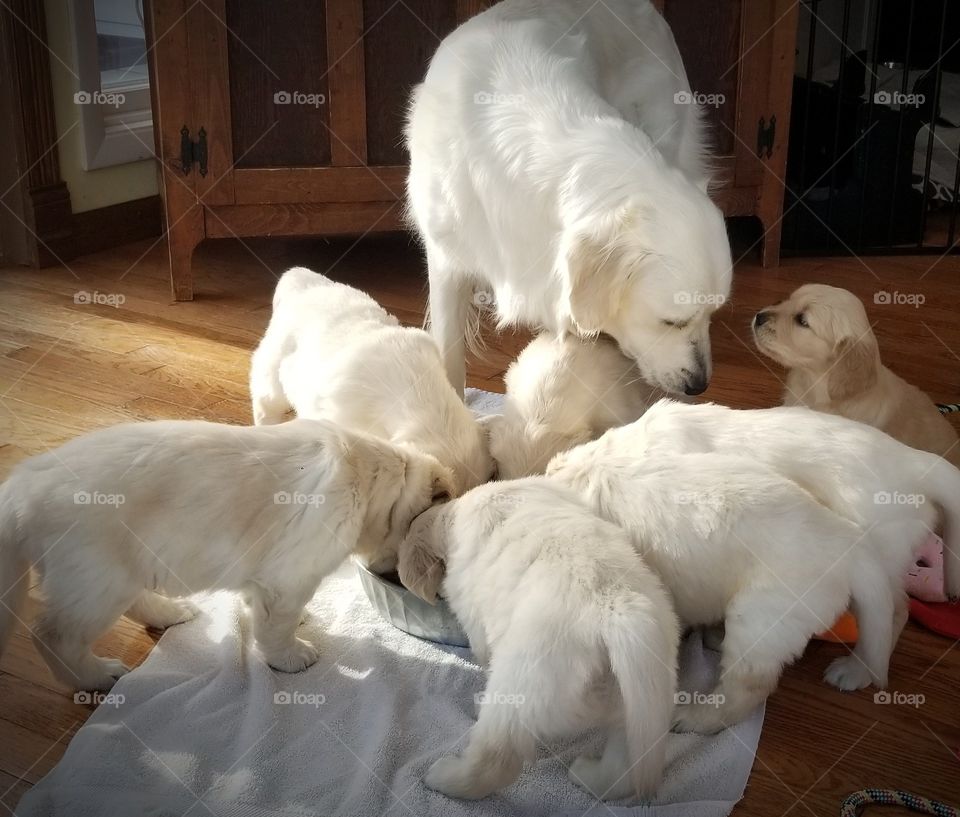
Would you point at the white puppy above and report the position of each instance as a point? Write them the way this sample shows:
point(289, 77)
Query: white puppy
point(331, 352)
point(115, 518)
point(560, 393)
point(576, 631)
point(892, 492)
point(551, 164)
point(735, 541)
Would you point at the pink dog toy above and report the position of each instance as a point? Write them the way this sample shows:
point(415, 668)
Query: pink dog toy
point(925, 578)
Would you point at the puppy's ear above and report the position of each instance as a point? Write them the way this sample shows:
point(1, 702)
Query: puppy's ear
point(595, 284)
point(420, 557)
point(855, 368)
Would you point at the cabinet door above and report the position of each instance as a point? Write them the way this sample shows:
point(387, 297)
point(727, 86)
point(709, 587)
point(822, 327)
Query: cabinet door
point(304, 101)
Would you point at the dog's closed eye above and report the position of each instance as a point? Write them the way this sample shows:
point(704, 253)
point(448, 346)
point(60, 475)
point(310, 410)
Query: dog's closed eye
point(801, 320)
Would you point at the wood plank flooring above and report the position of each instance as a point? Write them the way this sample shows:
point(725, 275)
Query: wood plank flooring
point(71, 363)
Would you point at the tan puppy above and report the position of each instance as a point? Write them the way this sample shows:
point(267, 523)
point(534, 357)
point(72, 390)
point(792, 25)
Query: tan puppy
point(822, 335)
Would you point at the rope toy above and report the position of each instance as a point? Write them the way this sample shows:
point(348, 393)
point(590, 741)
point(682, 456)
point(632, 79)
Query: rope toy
point(854, 803)
point(948, 408)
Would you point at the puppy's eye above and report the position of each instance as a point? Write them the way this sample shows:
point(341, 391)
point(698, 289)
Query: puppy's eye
point(675, 324)
point(801, 320)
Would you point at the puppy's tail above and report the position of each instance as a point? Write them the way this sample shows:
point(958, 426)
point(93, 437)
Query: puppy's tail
point(641, 642)
point(942, 486)
point(14, 567)
point(294, 281)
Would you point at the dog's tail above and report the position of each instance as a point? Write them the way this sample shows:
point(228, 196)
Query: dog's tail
point(941, 485)
point(14, 566)
point(641, 642)
point(294, 281)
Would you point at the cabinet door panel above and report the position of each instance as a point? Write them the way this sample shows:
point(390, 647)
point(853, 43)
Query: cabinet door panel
point(398, 44)
point(713, 70)
point(277, 54)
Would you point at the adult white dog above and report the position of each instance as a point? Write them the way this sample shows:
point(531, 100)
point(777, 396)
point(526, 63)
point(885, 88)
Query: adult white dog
point(558, 160)
point(332, 352)
point(113, 519)
point(893, 493)
point(576, 631)
point(561, 393)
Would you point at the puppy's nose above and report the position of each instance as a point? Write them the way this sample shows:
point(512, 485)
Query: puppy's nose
point(761, 318)
point(696, 384)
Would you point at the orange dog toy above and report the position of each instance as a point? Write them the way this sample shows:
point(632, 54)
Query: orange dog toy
point(843, 631)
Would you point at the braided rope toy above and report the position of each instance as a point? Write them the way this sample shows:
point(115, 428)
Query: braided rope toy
point(854, 804)
point(948, 408)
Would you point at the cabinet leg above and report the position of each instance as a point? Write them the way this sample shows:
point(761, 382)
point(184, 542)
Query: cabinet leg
point(770, 249)
point(182, 238)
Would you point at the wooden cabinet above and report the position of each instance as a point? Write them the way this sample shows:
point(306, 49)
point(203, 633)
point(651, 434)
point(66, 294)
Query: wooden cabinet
point(739, 57)
point(285, 118)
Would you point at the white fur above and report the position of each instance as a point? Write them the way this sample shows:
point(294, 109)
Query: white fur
point(178, 507)
point(800, 512)
point(576, 632)
point(560, 393)
point(332, 352)
point(551, 165)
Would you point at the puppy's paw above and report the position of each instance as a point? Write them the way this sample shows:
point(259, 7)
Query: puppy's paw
point(454, 777)
point(704, 719)
point(298, 657)
point(588, 773)
point(181, 611)
point(848, 674)
point(103, 675)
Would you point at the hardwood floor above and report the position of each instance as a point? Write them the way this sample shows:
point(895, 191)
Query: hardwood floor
point(69, 366)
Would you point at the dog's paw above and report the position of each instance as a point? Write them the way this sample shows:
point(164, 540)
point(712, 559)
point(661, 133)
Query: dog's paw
point(181, 611)
point(298, 657)
point(103, 675)
point(848, 673)
point(451, 776)
point(705, 719)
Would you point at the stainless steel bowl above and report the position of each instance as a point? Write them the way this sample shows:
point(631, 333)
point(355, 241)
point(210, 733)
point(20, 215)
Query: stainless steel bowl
point(408, 612)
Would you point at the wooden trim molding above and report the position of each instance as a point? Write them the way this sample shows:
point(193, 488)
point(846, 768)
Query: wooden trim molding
point(107, 227)
point(45, 210)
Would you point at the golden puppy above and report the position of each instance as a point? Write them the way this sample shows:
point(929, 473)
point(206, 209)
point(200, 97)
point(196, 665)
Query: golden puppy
point(822, 335)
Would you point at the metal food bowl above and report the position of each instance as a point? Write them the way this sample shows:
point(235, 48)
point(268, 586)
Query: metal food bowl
point(408, 612)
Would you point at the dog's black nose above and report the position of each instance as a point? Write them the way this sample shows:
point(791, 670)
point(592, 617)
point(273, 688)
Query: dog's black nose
point(696, 384)
point(761, 318)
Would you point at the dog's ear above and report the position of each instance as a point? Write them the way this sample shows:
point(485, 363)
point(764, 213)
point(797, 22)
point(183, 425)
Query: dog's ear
point(594, 283)
point(444, 484)
point(420, 557)
point(855, 368)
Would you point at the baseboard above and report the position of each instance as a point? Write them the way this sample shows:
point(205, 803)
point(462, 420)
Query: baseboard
point(107, 227)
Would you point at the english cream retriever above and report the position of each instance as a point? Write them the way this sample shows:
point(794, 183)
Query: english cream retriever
point(560, 393)
point(823, 336)
point(331, 352)
point(558, 162)
point(114, 519)
point(574, 628)
point(893, 493)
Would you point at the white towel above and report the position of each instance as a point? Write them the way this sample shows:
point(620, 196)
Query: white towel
point(204, 727)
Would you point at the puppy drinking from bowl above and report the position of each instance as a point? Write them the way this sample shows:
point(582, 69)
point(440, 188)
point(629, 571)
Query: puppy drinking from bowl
point(332, 352)
point(561, 393)
point(575, 629)
point(822, 335)
point(117, 521)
